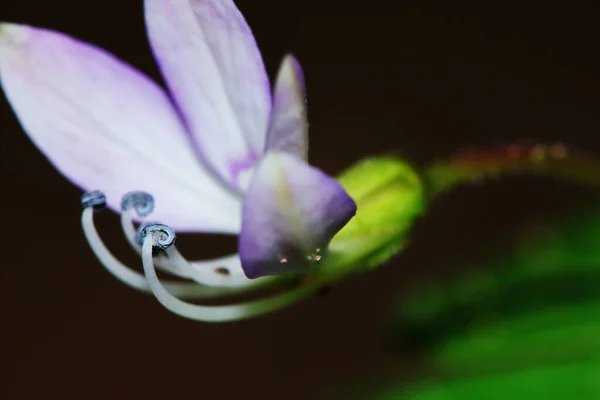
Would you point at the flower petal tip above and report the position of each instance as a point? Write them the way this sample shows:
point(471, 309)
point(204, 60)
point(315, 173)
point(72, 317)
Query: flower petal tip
point(7, 29)
point(290, 66)
point(288, 130)
point(10, 34)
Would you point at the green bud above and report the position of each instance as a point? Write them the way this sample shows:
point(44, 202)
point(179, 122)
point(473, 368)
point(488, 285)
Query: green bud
point(389, 196)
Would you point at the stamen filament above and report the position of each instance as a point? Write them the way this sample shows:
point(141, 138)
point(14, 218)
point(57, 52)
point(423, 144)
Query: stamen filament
point(135, 279)
point(130, 232)
point(216, 313)
point(203, 272)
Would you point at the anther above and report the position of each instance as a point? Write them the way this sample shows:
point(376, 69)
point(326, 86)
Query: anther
point(222, 271)
point(141, 202)
point(165, 235)
point(95, 199)
point(140, 231)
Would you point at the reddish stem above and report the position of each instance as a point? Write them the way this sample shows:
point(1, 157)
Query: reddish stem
point(475, 165)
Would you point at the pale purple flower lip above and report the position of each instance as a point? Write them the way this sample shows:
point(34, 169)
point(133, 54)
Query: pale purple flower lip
point(293, 208)
point(105, 125)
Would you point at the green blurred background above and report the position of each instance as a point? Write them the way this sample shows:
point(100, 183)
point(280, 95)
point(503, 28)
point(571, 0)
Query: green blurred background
point(523, 325)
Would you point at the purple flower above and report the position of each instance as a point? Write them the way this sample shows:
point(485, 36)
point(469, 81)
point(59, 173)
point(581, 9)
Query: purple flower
point(219, 153)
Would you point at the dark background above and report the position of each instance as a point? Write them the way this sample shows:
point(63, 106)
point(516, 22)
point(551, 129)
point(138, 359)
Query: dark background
point(411, 77)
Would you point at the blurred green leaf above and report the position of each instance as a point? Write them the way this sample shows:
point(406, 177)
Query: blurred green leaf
point(579, 381)
point(535, 305)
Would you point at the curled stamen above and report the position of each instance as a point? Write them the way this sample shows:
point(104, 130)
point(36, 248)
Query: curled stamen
point(215, 313)
point(134, 237)
point(140, 234)
point(164, 235)
point(208, 273)
point(95, 199)
point(141, 202)
point(133, 278)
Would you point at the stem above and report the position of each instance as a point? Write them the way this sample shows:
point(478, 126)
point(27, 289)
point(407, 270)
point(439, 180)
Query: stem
point(474, 165)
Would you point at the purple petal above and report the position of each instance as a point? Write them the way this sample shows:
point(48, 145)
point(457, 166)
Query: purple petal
point(290, 214)
point(106, 126)
point(289, 128)
point(212, 65)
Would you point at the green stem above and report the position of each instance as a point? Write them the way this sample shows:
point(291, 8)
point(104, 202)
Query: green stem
point(478, 164)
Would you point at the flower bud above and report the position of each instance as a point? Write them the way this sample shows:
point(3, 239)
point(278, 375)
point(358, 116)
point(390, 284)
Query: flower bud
point(389, 196)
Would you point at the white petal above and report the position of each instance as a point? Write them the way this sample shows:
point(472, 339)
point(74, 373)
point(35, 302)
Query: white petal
point(106, 126)
point(214, 70)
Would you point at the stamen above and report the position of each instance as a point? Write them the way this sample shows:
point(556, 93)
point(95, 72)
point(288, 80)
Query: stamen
point(212, 313)
point(96, 200)
point(141, 202)
point(135, 241)
point(208, 272)
point(204, 272)
point(164, 235)
point(222, 271)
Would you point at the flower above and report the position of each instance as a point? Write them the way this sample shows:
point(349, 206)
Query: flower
point(221, 154)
